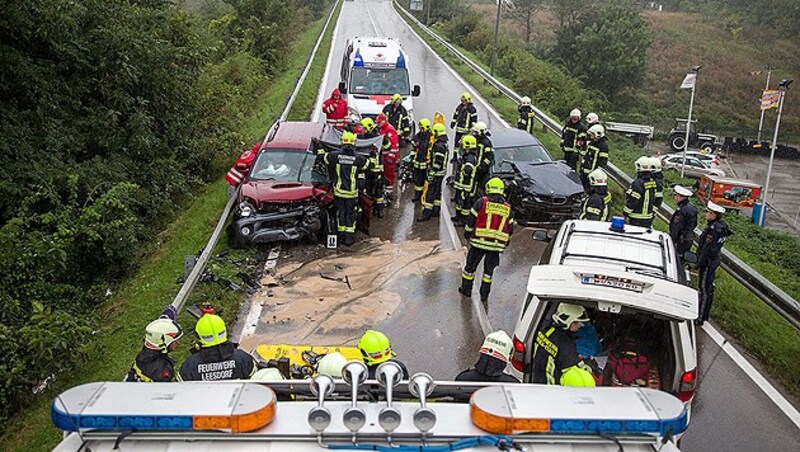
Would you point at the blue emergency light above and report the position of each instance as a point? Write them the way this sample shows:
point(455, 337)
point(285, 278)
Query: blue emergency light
point(357, 60)
point(617, 224)
point(401, 60)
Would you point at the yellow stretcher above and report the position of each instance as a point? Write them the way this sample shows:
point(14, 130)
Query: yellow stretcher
point(295, 352)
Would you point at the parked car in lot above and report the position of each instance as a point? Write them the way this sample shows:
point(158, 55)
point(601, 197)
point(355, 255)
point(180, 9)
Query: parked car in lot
point(708, 158)
point(541, 190)
point(695, 167)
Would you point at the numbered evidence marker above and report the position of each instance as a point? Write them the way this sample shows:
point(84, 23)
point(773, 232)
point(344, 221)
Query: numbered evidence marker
point(332, 241)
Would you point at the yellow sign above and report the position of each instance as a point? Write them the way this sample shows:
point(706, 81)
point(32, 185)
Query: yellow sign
point(770, 98)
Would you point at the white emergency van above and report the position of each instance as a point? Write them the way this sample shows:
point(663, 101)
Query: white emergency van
point(373, 70)
point(635, 293)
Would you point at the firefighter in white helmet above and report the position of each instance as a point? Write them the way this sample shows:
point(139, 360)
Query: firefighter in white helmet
point(494, 355)
point(596, 205)
point(153, 362)
point(555, 351)
point(526, 115)
point(573, 130)
point(640, 197)
point(595, 155)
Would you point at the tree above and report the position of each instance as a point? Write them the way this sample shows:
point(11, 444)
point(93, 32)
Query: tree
point(569, 12)
point(523, 11)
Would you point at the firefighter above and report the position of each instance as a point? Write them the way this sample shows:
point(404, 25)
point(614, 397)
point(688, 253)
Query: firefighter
point(554, 351)
point(465, 183)
point(595, 155)
point(153, 362)
point(397, 115)
point(464, 117)
point(494, 355)
point(375, 182)
point(573, 131)
point(347, 168)
point(214, 357)
point(432, 197)
point(390, 150)
point(376, 349)
point(485, 155)
point(421, 156)
point(369, 129)
point(592, 119)
point(658, 177)
point(488, 230)
point(640, 196)
point(683, 221)
point(596, 205)
point(709, 250)
point(335, 109)
point(526, 115)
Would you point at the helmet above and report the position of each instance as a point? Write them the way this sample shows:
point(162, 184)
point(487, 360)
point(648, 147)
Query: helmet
point(575, 114)
point(655, 164)
point(439, 130)
point(642, 164)
point(380, 119)
point(397, 97)
point(375, 347)
point(466, 97)
point(592, 118)
point(576, 376)
point(331, 364)
point(598, 177)
point(479, 128)
point(268, 374)
point(495, 186)
point(469, 143)
point(160, 333)
point(497, 345)
point(425, 124)
point(368, 124)
point(566, 313)
point(350, 137)
point(211, 330)
point(597, 130)
point(525, 100)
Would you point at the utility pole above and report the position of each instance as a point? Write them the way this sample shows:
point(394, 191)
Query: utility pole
point(428, 20)
point(761, 121)
point(783, 86)
point(496, 32)
point(694, 71)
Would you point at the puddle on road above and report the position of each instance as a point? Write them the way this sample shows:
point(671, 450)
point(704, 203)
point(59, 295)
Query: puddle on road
point(311, 302)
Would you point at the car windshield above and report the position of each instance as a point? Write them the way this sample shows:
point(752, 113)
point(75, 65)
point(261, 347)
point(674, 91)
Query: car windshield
point(533, 153)
point(283, 164)
point(371, 81)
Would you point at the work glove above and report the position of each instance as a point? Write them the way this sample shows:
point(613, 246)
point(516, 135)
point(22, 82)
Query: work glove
point(169, 313)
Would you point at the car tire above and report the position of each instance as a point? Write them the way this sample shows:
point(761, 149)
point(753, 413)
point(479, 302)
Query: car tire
point(677, 142)
point(707, 147)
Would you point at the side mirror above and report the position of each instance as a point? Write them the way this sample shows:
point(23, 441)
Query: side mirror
point(690, 257)
point(540, 235)
point(342, 88)
point(241, 166)
point(415, 92)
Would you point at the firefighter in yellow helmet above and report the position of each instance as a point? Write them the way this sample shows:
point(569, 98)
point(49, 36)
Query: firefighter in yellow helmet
point(432, 197)
point(465, 180)
point(348, 170)
point(153, 362)
point(398, 117)
point(464, 116)
point(376, 349)
point(215, 357)
point(421, 156)
point(488, 229)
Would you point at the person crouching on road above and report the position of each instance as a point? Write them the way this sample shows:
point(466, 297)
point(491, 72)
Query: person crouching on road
point(488, 230)
point(709, 252)
point(421, 157)
point(596, 205)
point(153, 363)
point(347, 168)
point(465, 182)
point(683, 221)
point(216, 358)
point(494, 355)
point(527, 116)
point(376, 350)
point(432, 196)
point(641, 196)
point(555, 351)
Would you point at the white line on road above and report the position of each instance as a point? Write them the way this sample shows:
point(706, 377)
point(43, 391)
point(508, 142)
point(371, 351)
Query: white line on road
point(254, 313)
point(321, 93)
point(777, 398)
point(372, 21)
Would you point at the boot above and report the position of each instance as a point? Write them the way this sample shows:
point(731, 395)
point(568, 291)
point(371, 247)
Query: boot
point(426, 215)
point(463, 291)
point(436, 211)
point(417, 196)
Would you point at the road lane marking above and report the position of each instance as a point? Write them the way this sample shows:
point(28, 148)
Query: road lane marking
point(777, 398)
point(372, 21)
point(254, 313)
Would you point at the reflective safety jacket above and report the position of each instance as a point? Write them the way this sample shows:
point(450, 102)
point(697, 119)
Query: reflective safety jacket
point(464, 117)
point(242, 166)
point(421, 152)
point(397, 115)
point(554, 352)
point(595, 155)
point(335, 109)
point(596, 206)
point(485, 154)
point(570, 134)
point(659, 178)
point(439, 151)
point(346, 167)
point(152, 365)
point(220, 362)
point(710, 244)
point(466, 174)
point(489, 223)
point(681, 226)
point(391, 141)
point(639, 198)
point(526, 118)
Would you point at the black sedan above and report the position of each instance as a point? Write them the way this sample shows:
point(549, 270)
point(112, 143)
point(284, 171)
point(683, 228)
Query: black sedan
point(542, 191)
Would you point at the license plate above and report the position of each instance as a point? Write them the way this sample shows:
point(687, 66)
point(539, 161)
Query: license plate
point(612, 281)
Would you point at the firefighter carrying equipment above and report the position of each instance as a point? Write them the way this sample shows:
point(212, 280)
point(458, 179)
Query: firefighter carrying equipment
point(211, 330)
point(375, 347)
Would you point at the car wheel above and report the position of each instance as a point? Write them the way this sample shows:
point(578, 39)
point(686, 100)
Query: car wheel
point(677, 142)
point(707, 147)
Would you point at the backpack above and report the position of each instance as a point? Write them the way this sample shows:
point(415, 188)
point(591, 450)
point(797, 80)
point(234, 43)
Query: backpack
point(628, 367)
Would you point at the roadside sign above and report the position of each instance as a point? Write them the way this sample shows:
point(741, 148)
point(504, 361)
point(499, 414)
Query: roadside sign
point(416, 5)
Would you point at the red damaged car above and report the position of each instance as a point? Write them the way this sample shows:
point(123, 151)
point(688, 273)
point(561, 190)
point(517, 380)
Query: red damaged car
point(285, 192)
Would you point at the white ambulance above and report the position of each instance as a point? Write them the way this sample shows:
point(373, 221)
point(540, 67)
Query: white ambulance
point(373, 70)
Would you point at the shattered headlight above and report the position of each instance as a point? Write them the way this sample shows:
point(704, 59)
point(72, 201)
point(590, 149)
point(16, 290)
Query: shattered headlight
point(245, 209)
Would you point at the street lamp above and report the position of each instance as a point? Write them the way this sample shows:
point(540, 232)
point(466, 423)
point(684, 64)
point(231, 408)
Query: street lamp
point(496, 32)
point(694, 71)
point(783, 86)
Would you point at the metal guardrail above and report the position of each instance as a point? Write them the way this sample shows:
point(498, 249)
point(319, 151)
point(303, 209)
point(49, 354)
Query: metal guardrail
point(200, 265)
point(772, 295)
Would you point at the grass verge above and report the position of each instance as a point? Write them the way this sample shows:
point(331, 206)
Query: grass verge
point(142, 297)
point(760, 330)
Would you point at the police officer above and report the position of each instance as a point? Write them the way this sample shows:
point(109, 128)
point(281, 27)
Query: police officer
point(376, 349)
point(572, 131)
point(216, 358)
point(554, 351)
point(465, 183)
point(526, 115)
point(485, 155)
point(640, 196)
point(421, 156)
point(432, 196)
point(397, 115)
point(683, 221)
point(494, 355)
point(658, 176)
point(375, 182)
point(347, 168)
point(595, 155)
point(596, 205)
point(488, 230)
point(153, 362)
point(709, 250)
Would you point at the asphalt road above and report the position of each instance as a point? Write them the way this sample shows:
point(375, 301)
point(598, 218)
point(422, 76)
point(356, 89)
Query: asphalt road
point(403, 280)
